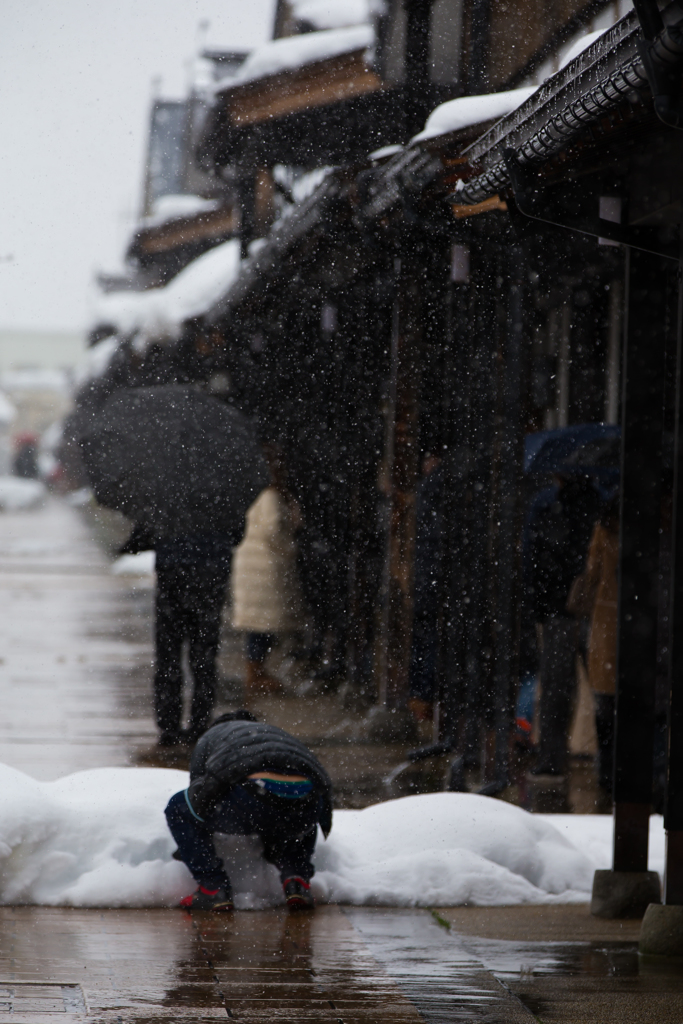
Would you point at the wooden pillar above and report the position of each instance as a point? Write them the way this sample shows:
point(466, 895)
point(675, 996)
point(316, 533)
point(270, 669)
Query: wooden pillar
point(455, 577)
point(479, 46)
point(673, 806)
point(640, 519)
point(481, 367)
point(247, 194)
point(509, 557)
point(418, 90)
point(402, 458)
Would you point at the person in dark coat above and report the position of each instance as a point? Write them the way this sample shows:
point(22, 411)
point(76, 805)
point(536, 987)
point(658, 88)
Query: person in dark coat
point(249, 778)
point(25, 462)
point(559, 528)
point(192, 576)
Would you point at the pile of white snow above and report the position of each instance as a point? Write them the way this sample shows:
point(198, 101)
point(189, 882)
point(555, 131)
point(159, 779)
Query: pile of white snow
point(17, 494)
point(466, 111)
point(159, 312)
point(140, 564)
point(175, 207)
point(579, 45)
point(293, 52)
point(331, 13)
point(8, 413)
point(99, 838)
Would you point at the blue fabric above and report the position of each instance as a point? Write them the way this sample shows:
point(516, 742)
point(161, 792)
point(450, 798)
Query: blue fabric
point(526, 698)
point(287, 790)
point(287, 829)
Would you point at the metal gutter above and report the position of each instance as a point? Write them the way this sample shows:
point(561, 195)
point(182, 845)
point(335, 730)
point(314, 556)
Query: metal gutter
point(597, 81)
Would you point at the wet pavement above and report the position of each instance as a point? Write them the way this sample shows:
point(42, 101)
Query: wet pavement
point(342, 965)
point(75, 645)
point(76, 666)
point(74, 685)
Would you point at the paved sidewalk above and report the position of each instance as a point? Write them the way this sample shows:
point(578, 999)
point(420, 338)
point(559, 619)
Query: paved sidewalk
point(342, 965)
point(76, 660)
point(140, 967)
point(75, 649)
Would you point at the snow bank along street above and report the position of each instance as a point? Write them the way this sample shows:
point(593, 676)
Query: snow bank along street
point(99, 839)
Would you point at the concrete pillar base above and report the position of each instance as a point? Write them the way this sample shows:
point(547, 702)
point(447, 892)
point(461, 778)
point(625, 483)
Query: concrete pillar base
point(390, 725)
point(661, 933)
point(624, 893)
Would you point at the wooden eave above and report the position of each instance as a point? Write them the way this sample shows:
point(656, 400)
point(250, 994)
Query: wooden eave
point(185, 231)
point(588, 69)
point(314, 85)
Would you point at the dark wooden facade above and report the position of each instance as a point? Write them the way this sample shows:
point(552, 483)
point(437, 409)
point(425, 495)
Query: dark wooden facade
point(460, 329)
point(450, 300)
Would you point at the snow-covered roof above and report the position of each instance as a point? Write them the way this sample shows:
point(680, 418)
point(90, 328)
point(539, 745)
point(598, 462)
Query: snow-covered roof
point(324, 14)
point(296, 51)
point(35, 378)
point(471, 110)
point(159, 312)
point(384, 152)
point(175, 207)
point(97, 359)
point(578, 46)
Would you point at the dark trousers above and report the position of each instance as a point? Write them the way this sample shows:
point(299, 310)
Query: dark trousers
point(558, 683)
point(259, 646)
point(604, 726)
point(189, 601)
point(423, 657)
point(287, 829)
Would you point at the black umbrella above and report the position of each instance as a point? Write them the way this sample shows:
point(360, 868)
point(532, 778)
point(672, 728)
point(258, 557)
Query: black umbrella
point(175, 459)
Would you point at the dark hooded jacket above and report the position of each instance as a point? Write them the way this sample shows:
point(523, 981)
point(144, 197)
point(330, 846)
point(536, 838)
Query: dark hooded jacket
point(229, 752)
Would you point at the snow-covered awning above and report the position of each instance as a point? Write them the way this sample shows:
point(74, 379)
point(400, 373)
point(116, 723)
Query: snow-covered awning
point(159, 312)
point(176, 207)
point(322, 14)
point(294, 52)
point(7, 411)
point(466, 111)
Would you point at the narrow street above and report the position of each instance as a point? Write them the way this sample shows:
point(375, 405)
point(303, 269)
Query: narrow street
point(76, 648)
point(75, 676)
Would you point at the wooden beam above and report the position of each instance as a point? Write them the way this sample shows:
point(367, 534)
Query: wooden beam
point(163, 237)
point(325, 81)
point(640, 520)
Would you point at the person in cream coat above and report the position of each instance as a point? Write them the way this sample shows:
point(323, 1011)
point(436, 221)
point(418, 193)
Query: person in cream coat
point(266, 594)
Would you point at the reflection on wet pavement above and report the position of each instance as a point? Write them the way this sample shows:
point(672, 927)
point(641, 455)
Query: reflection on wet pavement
point(443, 978)
point(351, 966)
point(148, 966)
point(568, 967)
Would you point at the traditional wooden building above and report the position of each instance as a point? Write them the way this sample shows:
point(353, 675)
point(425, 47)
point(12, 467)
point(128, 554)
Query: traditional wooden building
point(512, 267)
point(467, 290)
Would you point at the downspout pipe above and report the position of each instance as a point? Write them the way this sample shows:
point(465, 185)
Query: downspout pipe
point(662, 53)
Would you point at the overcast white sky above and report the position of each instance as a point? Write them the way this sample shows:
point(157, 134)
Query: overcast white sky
point(75, 87)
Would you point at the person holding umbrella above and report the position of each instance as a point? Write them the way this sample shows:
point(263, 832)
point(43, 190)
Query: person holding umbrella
point(185, 466)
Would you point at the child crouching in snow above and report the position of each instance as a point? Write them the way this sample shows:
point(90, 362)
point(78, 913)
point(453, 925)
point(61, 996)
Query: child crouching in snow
point(249, 778)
